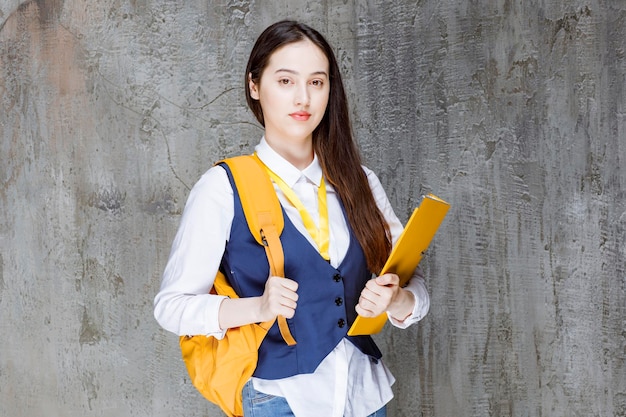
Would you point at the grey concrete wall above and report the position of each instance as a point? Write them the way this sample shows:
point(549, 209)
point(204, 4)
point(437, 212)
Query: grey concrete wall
point(514, 111)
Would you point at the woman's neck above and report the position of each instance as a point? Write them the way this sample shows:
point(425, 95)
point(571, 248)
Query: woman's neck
point(299, 154)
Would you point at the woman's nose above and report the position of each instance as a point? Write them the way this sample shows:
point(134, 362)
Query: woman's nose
point(303, 97)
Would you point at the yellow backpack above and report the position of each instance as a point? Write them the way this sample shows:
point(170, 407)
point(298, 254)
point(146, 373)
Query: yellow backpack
point(220, 368)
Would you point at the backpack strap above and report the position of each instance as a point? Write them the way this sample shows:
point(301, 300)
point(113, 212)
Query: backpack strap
point(265, 220)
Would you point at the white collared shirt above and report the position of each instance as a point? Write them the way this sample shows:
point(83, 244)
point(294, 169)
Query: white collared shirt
point(347, 382)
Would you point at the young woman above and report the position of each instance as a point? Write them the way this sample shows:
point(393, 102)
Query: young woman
point(294, 88)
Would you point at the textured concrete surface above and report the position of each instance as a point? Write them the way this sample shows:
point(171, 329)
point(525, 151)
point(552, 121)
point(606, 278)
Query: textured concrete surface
point(514, 111)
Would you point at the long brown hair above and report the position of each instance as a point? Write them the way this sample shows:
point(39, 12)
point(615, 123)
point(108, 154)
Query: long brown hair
point(333, 141)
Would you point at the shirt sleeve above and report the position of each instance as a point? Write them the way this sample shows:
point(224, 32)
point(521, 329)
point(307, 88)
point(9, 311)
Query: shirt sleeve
point(183, 305)
point(417, 284)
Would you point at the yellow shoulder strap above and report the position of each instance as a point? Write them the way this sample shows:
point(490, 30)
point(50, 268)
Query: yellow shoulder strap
point(264, 216)
point(258, 198)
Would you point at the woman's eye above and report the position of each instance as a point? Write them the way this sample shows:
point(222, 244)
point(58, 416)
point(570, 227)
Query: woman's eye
point(284, 81)
point(317, 83)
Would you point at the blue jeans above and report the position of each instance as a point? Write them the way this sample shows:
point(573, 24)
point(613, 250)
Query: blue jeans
point(258, 404)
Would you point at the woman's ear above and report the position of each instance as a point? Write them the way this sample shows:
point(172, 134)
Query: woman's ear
point(254, 90)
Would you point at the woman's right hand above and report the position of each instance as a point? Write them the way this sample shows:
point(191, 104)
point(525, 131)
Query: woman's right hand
point(279, 299)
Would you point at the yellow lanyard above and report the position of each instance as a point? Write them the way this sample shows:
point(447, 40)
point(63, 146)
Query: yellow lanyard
point(319, 234)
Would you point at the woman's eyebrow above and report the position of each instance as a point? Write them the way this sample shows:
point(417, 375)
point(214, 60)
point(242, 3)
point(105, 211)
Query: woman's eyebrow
point(290, 71)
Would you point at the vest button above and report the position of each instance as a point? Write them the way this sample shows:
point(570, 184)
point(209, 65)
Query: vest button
point(339, 301)
point(341, 322)
point(337, 278)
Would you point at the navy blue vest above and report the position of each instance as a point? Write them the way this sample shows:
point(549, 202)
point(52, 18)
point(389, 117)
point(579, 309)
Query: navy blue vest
point(326, 296)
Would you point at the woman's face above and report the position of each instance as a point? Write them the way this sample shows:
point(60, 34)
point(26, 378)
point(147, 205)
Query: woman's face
point(293, 92)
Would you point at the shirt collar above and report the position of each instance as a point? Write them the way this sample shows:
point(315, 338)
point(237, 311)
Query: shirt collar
point(283, 168)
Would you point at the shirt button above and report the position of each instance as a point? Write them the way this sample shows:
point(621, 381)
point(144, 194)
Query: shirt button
point(339, 301)
point(337, 278)
point(341, 322)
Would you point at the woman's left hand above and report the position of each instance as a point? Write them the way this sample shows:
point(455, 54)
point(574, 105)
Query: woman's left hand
point(382, 294)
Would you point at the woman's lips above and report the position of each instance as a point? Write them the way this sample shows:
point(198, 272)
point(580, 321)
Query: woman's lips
point(301, 116)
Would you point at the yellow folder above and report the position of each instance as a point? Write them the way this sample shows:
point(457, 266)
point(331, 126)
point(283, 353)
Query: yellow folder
point(406, 254)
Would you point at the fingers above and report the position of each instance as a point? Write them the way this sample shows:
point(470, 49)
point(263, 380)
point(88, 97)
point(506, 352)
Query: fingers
point(388, 279)
point(369, 306)
point(378, 295)
point(285, 282)
point(280, 298)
